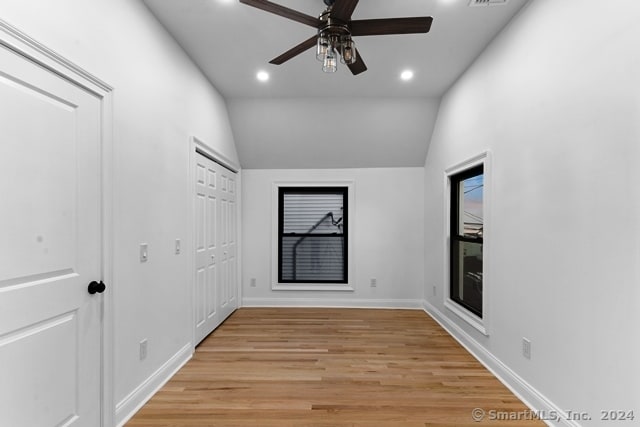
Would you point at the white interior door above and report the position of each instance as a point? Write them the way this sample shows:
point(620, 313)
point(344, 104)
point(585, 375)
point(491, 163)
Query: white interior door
point(50, 248)
point(206, 275)
point(228, 282)
point(215, 241)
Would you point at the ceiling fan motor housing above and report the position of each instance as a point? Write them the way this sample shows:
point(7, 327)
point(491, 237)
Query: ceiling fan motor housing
point(332, 26)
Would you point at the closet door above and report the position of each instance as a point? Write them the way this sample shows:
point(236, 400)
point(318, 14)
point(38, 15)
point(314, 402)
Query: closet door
point(215, 245)
point(227, 248)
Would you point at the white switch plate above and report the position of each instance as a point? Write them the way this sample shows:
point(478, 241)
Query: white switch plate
point(252, 282)
point(144, 252)
point(143, 349)
point(526, 348)
point(178, 248)
point(374, 282)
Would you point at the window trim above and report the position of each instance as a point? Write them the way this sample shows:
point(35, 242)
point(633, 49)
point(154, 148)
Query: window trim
point(276, 285)
point(479, 323)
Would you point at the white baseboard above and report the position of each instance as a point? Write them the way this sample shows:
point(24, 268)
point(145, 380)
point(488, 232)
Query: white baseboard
point(127, 407)
point(552, 415)
point(333, 303)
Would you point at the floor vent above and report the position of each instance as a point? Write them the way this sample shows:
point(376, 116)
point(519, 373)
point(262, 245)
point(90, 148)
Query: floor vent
point(487, 2)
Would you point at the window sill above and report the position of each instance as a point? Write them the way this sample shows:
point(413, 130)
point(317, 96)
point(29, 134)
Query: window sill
point(312, 287)
point(467, 316)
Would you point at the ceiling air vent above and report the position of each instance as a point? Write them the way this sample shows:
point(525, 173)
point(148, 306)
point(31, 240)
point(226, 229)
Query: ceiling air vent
point(487, 2)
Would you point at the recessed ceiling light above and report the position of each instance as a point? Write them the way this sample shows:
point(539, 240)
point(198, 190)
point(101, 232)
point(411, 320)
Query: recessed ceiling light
point(263, 76)
point(406, 75)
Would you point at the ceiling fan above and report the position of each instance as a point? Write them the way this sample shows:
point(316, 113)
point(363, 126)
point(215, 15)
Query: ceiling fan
point(336, 29)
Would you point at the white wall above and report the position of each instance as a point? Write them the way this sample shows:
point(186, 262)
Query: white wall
point(160, 100)
point(556, 99)
point(388, 224)
point(324, 133)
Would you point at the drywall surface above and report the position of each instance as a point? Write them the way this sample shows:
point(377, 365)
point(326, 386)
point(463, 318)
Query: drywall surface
point(556, 101)
point(387, 223)
point(321, 133)
point(160, 101)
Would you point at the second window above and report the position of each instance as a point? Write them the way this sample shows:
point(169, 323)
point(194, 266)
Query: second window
point(467, 229)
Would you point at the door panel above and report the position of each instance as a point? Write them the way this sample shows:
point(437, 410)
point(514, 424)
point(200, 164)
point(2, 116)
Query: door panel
point(45, 352)
point(227, 249)
point(206, 303)
point(224, 264)
point(50, 327)
point(232, 249)
point(201, 287)
point(212, 230)
point(201, 221)
point(215, 283)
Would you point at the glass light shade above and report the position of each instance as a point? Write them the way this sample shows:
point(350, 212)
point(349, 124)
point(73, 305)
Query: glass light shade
point(348, 47)
point(330, 64)
point(322, 47)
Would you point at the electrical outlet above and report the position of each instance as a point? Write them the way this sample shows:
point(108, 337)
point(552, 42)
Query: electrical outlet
point(252, 282)
point(526, 348)
point(143, 349)
point(178, 248)
point(144, 252)
point(374, 282)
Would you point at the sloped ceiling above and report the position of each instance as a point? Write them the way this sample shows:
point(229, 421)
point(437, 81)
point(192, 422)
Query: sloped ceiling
point(304, 118)
point(332, 132)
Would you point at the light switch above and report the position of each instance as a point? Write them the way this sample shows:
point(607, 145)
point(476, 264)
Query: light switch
point(178, 249)
point(144, 252)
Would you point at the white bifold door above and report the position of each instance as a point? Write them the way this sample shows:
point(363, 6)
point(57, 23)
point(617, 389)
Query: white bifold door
point(215, 245)
point(50, 248)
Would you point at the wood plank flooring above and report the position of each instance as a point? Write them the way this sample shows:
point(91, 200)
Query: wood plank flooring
point(330, 368)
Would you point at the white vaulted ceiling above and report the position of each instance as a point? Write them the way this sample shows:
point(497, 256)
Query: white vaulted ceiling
point(304, 118)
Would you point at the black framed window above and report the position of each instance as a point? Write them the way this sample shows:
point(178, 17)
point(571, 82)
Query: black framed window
point(312, 234)
point(467, 228)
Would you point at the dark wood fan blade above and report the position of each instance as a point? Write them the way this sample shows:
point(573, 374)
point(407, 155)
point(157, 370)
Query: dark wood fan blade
point(377, 27)
point(283, 11)
point(343, 9)
point(295, 51)
point(359, 66)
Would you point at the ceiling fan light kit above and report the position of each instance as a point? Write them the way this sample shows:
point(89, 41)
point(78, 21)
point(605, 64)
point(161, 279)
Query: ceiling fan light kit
point(334, 38)
point(335, 30)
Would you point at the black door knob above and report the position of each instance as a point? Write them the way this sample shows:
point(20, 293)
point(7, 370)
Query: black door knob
point(96, 287)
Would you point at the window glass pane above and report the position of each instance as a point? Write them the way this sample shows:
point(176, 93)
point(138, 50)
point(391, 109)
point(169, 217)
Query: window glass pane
point(318, 213)
point(467, 230)
point(313, 235)
point(313, 258)
point(467, 275)
point(471, 192)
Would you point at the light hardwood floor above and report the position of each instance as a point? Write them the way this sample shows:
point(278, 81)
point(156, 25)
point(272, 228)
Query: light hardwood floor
point(330, 368)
